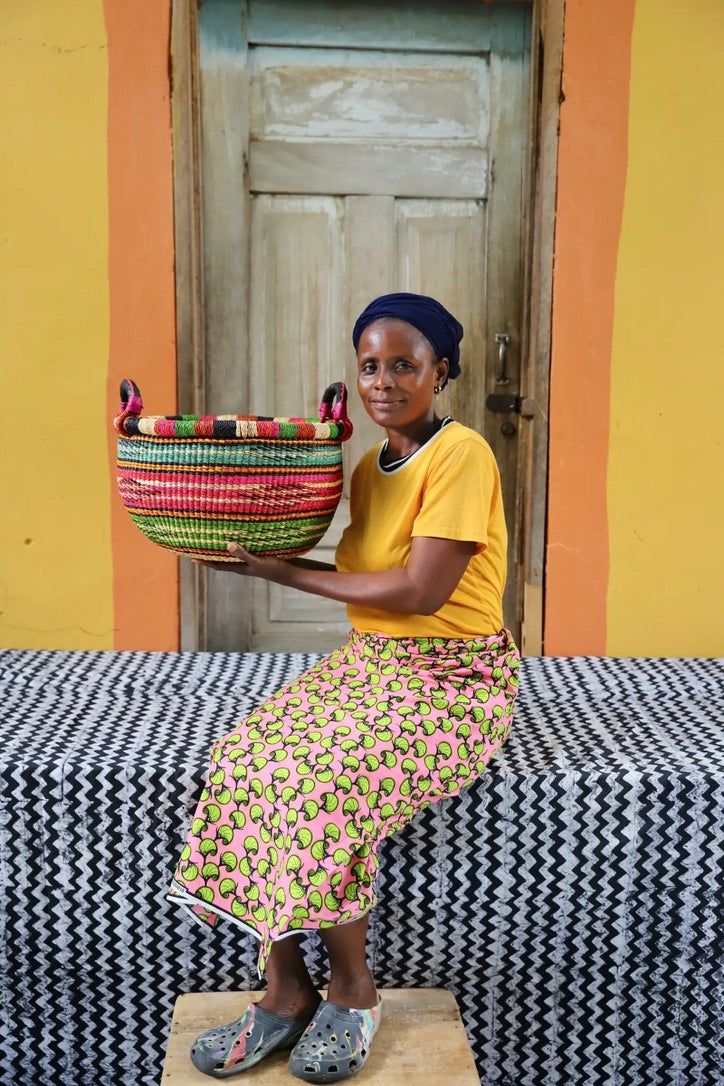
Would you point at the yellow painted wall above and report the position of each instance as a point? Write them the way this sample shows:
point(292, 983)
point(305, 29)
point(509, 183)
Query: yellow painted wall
point(55, 566)
point(666, 458)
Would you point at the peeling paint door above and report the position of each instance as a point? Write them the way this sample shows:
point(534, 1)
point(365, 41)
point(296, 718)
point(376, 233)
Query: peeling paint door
point(349, 150)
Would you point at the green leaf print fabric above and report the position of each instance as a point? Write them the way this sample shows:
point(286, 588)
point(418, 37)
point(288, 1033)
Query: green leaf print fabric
point(300, 793)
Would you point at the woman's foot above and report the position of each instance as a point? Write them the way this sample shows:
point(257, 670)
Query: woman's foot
point(336, 1043)
point(226, 1050)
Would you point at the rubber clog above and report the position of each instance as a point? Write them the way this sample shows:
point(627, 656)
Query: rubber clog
point(229, 1050)
point(336, 1043)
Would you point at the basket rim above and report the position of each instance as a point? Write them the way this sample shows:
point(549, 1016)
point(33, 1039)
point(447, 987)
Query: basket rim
point(219, 429)
point(331, 425)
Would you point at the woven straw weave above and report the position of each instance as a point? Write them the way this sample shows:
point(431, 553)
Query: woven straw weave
point(193, 483)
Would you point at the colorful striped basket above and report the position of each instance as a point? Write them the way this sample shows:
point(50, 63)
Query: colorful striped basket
point(193, 483)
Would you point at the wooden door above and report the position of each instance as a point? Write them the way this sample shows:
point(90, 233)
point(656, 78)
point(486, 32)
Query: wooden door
point(352, 149)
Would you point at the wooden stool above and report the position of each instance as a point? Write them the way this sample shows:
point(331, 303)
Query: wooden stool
point(421, 1040)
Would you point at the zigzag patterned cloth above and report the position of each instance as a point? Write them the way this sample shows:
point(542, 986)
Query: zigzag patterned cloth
point(571, 899)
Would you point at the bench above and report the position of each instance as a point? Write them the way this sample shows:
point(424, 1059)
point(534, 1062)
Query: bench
point(570, 900)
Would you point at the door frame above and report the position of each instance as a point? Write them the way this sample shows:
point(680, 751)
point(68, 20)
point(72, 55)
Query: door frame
point(546, 65)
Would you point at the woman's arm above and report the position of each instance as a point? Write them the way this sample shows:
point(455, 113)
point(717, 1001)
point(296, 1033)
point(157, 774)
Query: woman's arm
point(421, 587)
point(310, 563)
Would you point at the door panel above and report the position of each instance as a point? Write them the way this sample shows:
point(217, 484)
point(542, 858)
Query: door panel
point(297, 328)
point(441, 252)
point(296, 311)
point(366, 169)
point(375, 156)
point(299, 246)
point(340, 95)
point(329, 93)
point(337, 121)
point(371, 251)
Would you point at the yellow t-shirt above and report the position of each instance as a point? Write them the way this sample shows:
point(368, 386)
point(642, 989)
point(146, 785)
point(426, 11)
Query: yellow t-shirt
point(450, 488)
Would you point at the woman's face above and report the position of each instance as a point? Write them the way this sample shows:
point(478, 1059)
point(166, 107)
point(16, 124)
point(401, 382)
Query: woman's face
point(396, 373)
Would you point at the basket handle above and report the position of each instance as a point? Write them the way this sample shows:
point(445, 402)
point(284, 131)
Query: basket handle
point(131, 403)
point(334, 403)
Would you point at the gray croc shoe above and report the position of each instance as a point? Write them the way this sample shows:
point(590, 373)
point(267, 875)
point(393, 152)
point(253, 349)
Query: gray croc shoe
point(228, 1050)
point(336, 1043)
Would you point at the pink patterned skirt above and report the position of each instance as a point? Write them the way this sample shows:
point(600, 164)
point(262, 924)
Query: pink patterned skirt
point(300, 793)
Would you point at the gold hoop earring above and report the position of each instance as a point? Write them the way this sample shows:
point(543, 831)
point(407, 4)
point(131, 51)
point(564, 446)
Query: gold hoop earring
point(437, 389)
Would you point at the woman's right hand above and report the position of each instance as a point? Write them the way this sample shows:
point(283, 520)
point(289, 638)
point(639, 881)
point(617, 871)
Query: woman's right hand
point(250, 565)
point(245, 565)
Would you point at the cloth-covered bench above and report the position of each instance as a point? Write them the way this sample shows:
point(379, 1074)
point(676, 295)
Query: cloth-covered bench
point(571, 899)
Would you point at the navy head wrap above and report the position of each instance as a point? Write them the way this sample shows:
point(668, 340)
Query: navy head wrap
point(423, 313)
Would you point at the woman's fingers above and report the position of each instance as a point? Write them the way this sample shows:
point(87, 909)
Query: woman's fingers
point(231, 567)
point(255, 564)
point(239, 552)
point(248, 564)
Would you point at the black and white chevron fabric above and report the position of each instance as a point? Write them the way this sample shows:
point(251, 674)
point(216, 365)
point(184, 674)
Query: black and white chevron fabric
point(572, 899)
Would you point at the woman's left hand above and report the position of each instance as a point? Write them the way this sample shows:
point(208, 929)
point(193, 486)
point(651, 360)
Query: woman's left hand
point(251, 565)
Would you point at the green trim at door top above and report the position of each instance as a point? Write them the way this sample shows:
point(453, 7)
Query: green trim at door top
point(457, 26)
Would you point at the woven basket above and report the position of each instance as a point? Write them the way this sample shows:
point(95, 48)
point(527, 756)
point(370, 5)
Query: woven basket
point(193, 483)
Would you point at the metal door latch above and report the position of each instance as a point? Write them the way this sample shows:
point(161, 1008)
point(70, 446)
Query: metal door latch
point(502, 403)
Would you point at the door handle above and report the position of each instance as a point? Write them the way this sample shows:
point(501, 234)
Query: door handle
point(507, 403)
point(503, 340)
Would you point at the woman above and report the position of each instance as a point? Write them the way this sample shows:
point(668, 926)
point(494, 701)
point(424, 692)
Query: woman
point(408, 711)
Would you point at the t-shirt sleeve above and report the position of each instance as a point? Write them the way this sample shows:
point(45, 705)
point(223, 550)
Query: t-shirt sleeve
point(458, 494)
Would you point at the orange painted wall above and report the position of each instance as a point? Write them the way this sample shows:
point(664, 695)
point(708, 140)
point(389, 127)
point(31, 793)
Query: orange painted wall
point(591, 183)
point(142, 294)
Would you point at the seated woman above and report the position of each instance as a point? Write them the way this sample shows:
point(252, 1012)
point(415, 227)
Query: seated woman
point(410, 710)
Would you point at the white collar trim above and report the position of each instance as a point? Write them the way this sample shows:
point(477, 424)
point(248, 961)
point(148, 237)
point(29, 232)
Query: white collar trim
point(403, 465)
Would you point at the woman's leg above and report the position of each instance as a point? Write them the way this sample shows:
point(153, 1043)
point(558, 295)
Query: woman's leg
point(351, 983)
point(290, 991)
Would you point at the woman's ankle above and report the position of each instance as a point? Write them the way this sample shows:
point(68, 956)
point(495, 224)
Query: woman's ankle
point(291, 999)
point(356, 989)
